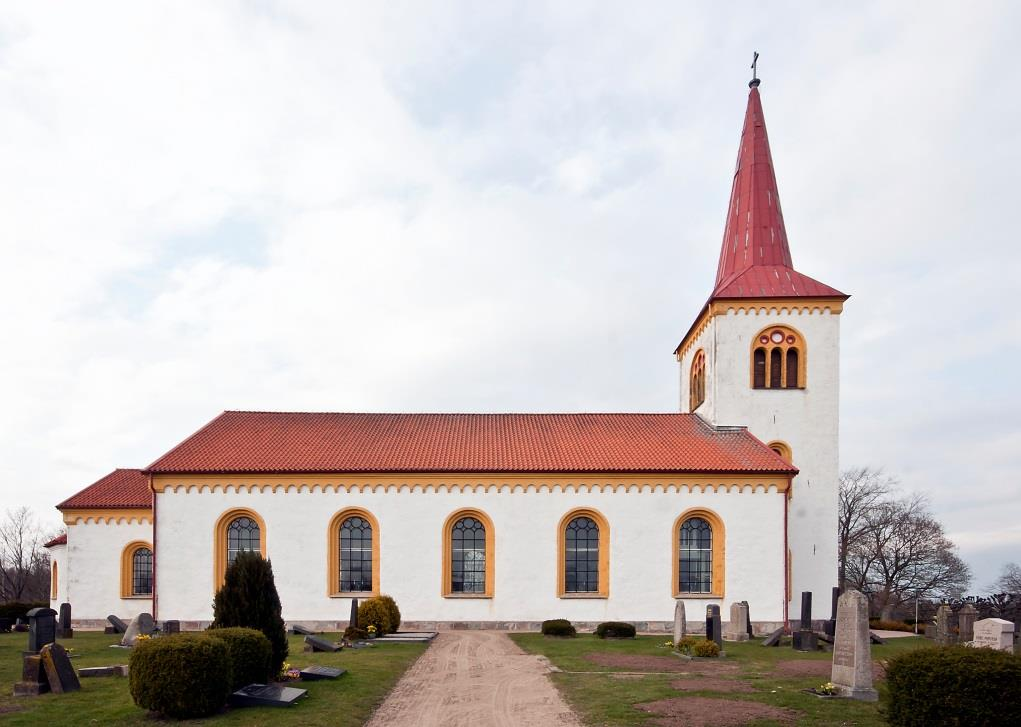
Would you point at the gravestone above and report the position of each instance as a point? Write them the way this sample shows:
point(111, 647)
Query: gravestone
point(737, 627)
point(804, 638)
point(142, 624)
point(318, 673)
point(930, 631)
point(966, 623)
point(119, 627)
point(301, 630)
point(266, 695)
point(774, 638)
point(115, 670)
point(751, 631)
point(171, 627)
point(64, 630)
point(314, 643)
point(59, 672)
point(680, 622)
point(830, 627)
point(713, 631)
point(5, 625)
point(944, 637)
point(33, 678)
point(994, 633)
point(352, 620)
point(42, 628)
point(852, 652)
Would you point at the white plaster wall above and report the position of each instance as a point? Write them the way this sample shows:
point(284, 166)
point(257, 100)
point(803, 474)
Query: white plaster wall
point(807, 419)
point(94, 569)
point(58, 557)
point(411, 523)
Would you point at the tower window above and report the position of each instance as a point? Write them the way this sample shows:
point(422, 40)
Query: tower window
point(696, 382)
point(778, 354)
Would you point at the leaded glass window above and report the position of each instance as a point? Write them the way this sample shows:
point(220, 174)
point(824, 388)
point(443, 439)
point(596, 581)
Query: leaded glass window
point(468, 556)
point(581, 556)
point(696, 556)
point(242, 534)
point(141, 572)
point(355, 555)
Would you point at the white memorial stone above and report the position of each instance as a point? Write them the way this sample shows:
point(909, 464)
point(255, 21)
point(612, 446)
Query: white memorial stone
point(737, 627)
point(680, 622)
point(994, 633)
point(852, 652)
point(141, 624)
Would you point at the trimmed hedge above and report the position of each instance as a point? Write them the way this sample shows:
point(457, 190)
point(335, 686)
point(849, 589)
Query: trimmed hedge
point(558, 627)
point(16, 609)
point(615, 630)
point(705, 649)
point(954, 685)
point(395, 613)
point(180, 676)
point(353, 633)
point(251, 655)
point(880, 625)
point(376, 612)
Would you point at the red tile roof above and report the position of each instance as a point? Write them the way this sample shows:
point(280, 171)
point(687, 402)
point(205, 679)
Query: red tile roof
point(276, 442)
point(59, 540)
point(120, 488)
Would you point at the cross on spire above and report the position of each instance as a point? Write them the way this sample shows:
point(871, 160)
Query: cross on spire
point(755, 70)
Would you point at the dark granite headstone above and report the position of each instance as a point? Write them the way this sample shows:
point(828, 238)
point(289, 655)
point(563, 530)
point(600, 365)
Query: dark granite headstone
point(774, 638)
point(352, 620)
point(830, 627)
point(713, 630)
point(33, 678)
point(314, 643)
point(301, 630)
point(119, 626)
point(59, 671)
point(42, 628)
point(172, 627)
point(5, 625)
point(64, 630)
point(266, 695)
point(875, 638)
point(141, 625)
point(751, 631)
point(115, 670)
point(316, 673)
point(804, 639)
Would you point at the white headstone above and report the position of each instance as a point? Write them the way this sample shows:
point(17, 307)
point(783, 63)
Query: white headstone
point(994, 633)
point(737, 627)
point(141, 624)
point(680, 622)
point(852, 652)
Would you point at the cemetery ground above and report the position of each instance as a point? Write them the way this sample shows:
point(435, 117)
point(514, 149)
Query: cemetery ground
point(638, 681)
point(349, 700)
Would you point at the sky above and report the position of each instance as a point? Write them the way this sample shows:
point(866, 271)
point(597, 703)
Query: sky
point(499, 206)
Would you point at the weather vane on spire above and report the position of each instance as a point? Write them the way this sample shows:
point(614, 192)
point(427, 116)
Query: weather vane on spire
point(754, 83)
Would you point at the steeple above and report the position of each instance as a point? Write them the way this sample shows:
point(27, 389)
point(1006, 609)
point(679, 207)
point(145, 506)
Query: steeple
point(755, 259)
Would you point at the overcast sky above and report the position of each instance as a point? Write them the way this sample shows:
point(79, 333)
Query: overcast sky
point(496, 206)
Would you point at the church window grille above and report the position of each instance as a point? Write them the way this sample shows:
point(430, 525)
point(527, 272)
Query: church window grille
point(242, 535)
point(760, 368)
point(792, 368)
point(696, 562)
point(468, 556)
point(778, 359)
point(141, 572)
point(581, 556)
point(355, 555)
point(775, 368)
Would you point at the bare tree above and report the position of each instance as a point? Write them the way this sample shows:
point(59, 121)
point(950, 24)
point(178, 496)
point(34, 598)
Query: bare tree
point(1009, 580)
point(862, 489)
point(905, 554)
point(24, 563)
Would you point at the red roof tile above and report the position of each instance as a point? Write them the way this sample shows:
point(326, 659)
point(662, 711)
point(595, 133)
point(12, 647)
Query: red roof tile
point(120, 488)
point(253, 442)
point(59, 540)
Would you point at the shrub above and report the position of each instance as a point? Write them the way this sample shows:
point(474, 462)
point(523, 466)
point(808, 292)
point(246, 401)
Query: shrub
point(395, 613)
point(374, 612)
point(16, 609)
point(180, 676)
point(881, 625)
point(615, 630)
point(249, 598)
point(251, 655)
point(354, 633)
point(953, 685)
point(686, 644)
point(705, 648)
point(558, 627)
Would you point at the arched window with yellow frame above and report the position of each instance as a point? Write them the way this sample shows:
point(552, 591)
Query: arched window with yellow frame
point(353, 555)
point(469, 557)
point(240, 529)
point(699, 548)
point(783, 449)
point(53, 580)
point(583, 555)
point(696, 381)
point(778, 359)
point(136, 570)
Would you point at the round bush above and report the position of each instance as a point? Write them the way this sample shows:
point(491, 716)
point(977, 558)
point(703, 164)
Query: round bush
point(180, 676)
point(251, 655)
point(395, 613)
point(954, 685)
point(558, 627)
point(353, 633)
point(615, 630)
point(374, 612)
point(705, 648)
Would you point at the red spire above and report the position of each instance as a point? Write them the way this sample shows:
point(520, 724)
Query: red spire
point(755, 260)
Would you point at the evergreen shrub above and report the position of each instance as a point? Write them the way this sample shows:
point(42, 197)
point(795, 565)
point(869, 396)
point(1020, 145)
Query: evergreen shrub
point(180, 676)
point(375, 612)
point(16, 609)
point(249, 598)
point(395, 613)
point(251, 655)
point(354, 633)
point(705, 648)
point(558, 627)
point(954, 685)
point(615, 630)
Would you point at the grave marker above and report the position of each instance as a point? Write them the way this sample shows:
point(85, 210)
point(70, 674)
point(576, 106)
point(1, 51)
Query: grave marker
point(266, 695)
point(680, 622)
point(352, 620)
point(314, 643)
point(751, 631)
point(301, 630)
point(944, 637)
point(33, 678)
point(141, 624)
point(737, 627)
point(994, 633)
point(852, 653)
point(966, 623)
point(830, 627)
point(317, 673)
point(59, 672)
point(119, 627)
point(804, 638)
point(64, 630)
point(42, 628)
point(713, 632)
point(171, 627)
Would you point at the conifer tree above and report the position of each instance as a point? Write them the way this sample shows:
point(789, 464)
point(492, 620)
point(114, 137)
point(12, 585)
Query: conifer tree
point(248, 597)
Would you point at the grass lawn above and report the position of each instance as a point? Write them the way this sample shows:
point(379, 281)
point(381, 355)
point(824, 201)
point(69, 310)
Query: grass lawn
point(602, 698)
point(349, 700)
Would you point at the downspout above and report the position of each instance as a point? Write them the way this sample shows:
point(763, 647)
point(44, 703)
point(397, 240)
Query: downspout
point(155, 556)
point(786, 558)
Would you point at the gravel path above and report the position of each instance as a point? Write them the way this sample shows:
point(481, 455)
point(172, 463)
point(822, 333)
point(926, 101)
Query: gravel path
point(477, 678)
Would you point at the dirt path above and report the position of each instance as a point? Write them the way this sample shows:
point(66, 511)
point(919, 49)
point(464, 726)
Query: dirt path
point(477, 678)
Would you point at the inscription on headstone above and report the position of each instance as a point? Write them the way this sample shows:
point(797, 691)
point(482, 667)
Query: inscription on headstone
point(680, 622)
point(852, 653)
point(42, 628)
point(994, 633)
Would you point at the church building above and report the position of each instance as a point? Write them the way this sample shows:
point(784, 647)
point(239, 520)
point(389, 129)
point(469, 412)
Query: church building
point(503, 520)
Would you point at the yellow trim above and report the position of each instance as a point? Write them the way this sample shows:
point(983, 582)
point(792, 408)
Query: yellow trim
point(574, 483)
point(783, 449)
point(333, 554)
point(220, 540)
point(118, 515)
point(448, 528)
point(604, 553)
point(53, 580)
point(799, 344)
point(127, 569)
point(696, 380)
point(719, 553)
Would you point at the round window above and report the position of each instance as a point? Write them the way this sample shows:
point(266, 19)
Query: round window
point(777, 337)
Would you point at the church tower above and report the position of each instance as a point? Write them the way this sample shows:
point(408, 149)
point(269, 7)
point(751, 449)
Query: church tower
point(764, 352)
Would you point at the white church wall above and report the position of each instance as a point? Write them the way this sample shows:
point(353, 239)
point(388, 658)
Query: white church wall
point(411, 523)
point(58, 559)
point(94, 551)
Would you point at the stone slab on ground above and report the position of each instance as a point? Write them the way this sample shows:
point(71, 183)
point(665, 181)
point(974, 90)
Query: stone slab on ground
point(115, 670)
point(408, 637)
point(314, 643)
point(318, 673)
point(266, 695)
